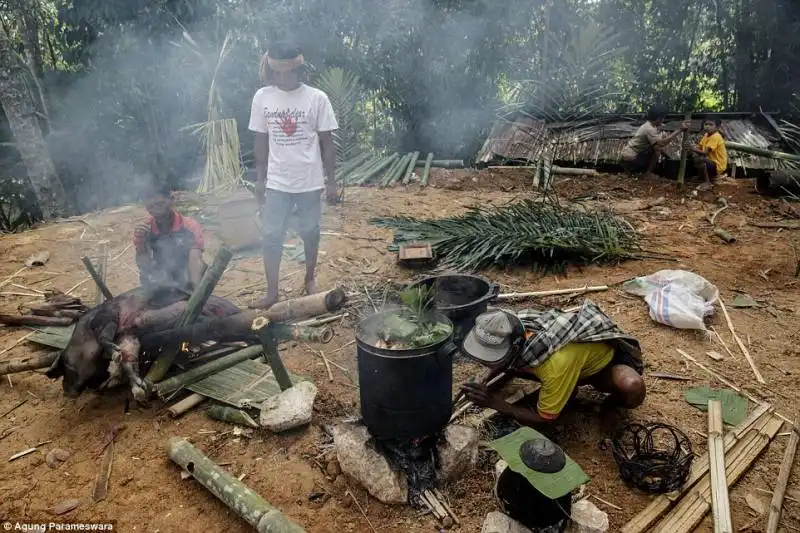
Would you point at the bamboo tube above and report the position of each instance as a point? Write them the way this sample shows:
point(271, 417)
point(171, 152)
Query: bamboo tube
point(724, 235)
point(180, 408)
point(738, 147)
point(744, 350)
point(350, 174)
point(96, 277)
point(194, 307)
point(410, 168)
point(22, 364)
point(370, 173)
point(427, 170)
point(391, 171)
point(684, 153)
point(254, 509)
point(226, 413)
point(34, 320)
point(350, 164)
point(720, 502)
point(401, 170)
point(447, 163)
point(783, 480)
point(647, 517)
point(307, 306)
point(691, 510)
point(100, 294)
point(170, 385)
point(517, 295)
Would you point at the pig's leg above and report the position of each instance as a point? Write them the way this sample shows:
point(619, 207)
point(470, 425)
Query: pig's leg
point(164, 318)
point(129, 356)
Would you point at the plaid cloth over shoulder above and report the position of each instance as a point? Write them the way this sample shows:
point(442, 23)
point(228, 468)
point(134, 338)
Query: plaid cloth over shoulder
point(553, 329)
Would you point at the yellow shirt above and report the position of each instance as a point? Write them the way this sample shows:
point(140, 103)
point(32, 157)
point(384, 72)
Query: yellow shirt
point(560, 374)
point(714, 145)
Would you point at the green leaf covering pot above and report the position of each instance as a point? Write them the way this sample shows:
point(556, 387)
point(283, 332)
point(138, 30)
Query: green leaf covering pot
point(554, 485)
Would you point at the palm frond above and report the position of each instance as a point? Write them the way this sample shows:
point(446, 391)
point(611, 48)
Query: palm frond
point(545, 234)
point(344, 92)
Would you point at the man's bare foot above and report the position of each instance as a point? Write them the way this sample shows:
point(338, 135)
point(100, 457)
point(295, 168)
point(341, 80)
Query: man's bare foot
point(311, 287)
point(707, 186)
point(265, 303)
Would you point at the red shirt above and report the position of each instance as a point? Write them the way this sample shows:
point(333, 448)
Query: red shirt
point(180, 224)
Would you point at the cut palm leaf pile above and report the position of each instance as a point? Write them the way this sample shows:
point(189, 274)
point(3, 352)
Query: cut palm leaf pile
point(547, 235)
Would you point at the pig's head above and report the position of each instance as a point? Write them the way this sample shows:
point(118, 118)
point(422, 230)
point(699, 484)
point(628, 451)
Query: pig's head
point(82, 367)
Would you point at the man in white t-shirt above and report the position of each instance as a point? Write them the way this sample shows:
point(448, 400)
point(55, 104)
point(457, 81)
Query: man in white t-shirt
point(294, 151)
point(644, 149)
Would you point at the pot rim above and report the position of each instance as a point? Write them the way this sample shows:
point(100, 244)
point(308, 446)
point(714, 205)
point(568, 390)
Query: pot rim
point(421, 351)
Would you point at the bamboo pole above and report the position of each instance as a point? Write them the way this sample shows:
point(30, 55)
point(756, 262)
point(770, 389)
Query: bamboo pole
point(35, 320)
point(194, 307)
point(744, 350)
point(518, 295)
point(370, 173)
point(23, 364)
point(410, 168)
point(180, 408)
point(783, 480)
point(391, 171)
point(307, 306)
point(720, 503)
point(562, 171)
point(684, 152)
point(426, 172)
point(170, 385)
point(691, 510)
point(96, 277)
point(255, 510)
point(102, 267)
point(738, 147)
point(661, 504)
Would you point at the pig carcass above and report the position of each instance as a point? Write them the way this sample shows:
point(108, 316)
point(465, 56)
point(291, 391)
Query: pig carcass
point(104, 349)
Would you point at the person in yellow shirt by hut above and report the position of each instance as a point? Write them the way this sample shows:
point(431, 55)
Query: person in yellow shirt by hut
point(709, 157)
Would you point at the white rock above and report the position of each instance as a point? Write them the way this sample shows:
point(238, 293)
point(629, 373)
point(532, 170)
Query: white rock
point(290, 409)
point(499, 523)
point(359, 460)
point(587, 518)
point(458, 451)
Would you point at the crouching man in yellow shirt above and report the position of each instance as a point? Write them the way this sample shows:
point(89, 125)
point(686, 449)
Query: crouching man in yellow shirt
point(709, 157)
point(560, 350)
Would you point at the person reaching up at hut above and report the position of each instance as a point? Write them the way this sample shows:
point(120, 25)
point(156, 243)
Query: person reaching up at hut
point(169, 246)
point(293, 126)
point(560, 350)
point(709, 157)
point(644, 149)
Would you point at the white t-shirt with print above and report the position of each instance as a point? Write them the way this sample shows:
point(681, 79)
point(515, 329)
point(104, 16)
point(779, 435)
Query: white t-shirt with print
point(293, 120)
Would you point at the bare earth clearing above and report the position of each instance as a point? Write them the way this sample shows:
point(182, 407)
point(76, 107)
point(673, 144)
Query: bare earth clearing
point(146, 493)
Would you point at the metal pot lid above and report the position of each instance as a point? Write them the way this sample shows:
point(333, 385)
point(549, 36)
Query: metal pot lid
point(541, 455)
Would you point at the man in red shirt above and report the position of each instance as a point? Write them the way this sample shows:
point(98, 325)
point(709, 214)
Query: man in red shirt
point(169, 246)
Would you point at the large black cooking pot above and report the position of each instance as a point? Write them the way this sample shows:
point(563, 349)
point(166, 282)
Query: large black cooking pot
point(461, 297)
point(405, 394)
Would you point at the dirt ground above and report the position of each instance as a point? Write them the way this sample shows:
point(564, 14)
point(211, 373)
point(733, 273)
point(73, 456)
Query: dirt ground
point(146, 492)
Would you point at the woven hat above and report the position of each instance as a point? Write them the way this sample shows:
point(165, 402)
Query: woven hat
point(490, 340)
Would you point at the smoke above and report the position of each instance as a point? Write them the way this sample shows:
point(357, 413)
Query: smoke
point(119, 124)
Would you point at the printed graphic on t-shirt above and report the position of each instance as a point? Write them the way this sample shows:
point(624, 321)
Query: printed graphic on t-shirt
point(288, 127)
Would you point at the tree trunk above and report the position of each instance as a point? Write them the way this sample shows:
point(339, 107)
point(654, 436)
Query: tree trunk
point(20, 109)
point(724, 56)
point(30, 39)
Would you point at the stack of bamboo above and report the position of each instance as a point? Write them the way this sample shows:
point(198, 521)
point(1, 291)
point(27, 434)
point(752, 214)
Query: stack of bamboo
point(385, 170)
point(682, 511)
